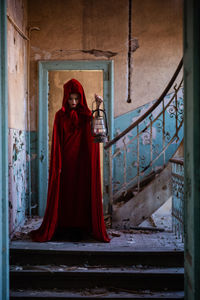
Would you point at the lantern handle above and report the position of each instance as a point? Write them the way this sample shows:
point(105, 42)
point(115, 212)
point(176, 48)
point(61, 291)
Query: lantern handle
point(98, 105)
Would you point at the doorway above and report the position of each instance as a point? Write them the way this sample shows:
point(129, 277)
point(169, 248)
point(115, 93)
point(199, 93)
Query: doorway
point(52, 76)
point(194, 237)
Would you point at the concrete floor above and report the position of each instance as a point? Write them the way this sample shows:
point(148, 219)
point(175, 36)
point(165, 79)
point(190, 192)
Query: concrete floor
point(125, 240)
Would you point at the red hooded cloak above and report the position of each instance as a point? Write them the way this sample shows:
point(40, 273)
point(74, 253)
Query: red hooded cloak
point(74, 198)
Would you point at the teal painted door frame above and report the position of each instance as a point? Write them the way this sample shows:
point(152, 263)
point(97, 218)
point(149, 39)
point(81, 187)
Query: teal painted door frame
point(4, 235)
point(192, 148)
point(42, 150)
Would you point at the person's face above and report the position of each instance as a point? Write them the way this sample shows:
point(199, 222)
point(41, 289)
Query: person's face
point(73, 100)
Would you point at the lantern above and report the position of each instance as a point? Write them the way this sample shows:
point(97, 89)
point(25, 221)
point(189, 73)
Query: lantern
point(99, 125)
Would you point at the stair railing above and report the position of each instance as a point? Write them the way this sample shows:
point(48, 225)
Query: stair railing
point(146, 124)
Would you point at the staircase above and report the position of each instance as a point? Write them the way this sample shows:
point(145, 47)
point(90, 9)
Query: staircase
point(49, 272)
point(139, 156)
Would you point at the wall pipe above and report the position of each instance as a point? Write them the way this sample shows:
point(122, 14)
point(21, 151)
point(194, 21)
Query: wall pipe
point(129, 48)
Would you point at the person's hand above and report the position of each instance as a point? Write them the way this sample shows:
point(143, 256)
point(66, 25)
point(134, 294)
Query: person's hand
point(98, 100)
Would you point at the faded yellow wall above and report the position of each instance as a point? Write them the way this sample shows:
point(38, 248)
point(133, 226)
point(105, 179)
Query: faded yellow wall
point(92, 81)
point(17, 65)
point(17, 112)
point(68, 27)
point(158, 26)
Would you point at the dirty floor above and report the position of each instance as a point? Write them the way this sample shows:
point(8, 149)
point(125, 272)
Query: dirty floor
point(129, 240)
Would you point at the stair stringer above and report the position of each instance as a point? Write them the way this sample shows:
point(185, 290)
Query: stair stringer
point(145, 203)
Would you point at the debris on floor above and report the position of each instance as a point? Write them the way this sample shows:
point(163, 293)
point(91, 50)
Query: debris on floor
point(114, 233)
point(131, 238)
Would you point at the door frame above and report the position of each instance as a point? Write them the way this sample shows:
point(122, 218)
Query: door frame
point(192, 148)
point(44, 67)
point(4, 215)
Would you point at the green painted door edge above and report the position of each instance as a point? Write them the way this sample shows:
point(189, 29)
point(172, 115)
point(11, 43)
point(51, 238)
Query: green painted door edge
point(4, 233)
point(42, 147)
point(192, 148)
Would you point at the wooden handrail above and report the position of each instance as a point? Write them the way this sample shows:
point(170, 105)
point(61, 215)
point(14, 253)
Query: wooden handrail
point(140, 119)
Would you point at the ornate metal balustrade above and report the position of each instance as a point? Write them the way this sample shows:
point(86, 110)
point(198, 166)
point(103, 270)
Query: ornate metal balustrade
point(148, 143)
point(177, 196)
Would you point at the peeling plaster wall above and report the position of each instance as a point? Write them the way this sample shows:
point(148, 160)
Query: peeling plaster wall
point(72, 30)
point(17, 101)
point(17, 178)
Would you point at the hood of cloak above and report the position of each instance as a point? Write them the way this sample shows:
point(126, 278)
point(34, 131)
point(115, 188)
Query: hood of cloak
point(74, 86)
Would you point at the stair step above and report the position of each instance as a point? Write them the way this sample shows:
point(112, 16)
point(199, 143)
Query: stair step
point(128, 278)
point(141, 207)
point(95, 293)
point(108, 257)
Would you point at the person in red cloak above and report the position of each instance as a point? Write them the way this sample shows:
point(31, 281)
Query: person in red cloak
point(74, 199)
